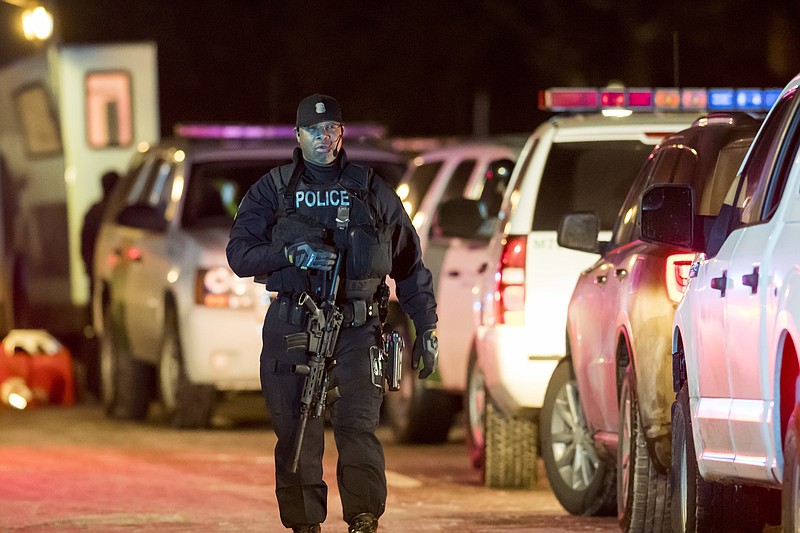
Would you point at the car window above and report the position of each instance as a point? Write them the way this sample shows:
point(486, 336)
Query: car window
point(783, 166)
point(626, 219)
point(160, 185)
point(458, 181)
point(587, 176)
point(674, 163)
point(140, 178)
point(419, 182)
point(455, 188)
point(214, 190)
point(512, 195)
point(118, 199)
point(758, 169)
point(728, 162)
point(494, 184)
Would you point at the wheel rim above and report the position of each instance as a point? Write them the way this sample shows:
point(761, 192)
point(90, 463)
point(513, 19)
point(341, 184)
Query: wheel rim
point(169, 371)
point(572, 445)
point(476, 405)
point(625, 450)
point(683, 480)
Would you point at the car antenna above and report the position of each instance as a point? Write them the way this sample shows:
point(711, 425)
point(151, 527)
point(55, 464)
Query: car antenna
point(675, 60)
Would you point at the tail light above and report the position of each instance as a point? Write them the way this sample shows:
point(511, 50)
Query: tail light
point(219, 287)
point(677, 274)
point(509, 293)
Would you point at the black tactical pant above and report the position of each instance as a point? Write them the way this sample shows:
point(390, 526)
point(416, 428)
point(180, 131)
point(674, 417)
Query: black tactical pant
point(360, 472)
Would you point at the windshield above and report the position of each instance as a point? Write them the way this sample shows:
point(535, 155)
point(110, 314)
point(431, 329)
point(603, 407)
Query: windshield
point(587, 176)
point(418, 184)
point(215, 189)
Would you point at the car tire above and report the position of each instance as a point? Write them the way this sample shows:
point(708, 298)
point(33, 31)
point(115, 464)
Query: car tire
point(475, 398)
point(187, 405)
point(691, 496)
point(511, 450)
point(589, 489)
point(642, 491)
point(126, 384)
point(790, 495)
point(417, 414)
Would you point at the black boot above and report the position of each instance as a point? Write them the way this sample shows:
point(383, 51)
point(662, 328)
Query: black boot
point(307, 529)
point(363, 523)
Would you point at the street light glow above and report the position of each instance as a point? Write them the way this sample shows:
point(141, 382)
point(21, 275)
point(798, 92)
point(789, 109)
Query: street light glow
point(37, 24)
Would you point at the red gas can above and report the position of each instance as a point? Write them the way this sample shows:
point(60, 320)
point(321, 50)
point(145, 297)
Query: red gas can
point(35, 369)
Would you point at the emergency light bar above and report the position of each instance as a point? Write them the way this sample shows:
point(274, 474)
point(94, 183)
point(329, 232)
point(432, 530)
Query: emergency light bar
point(571, 99)
point(270, 131)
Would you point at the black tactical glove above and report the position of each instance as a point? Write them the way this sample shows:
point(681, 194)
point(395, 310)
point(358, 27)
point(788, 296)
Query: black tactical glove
point(312, 253)
point(426, 347)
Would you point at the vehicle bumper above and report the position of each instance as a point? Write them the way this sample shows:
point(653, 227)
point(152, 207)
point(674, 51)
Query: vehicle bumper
point(222, 347)
point(515, 378)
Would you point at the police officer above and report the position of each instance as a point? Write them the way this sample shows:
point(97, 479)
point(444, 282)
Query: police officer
point(292, 227)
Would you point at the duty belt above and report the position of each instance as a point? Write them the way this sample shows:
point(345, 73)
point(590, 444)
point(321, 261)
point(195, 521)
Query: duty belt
point(355, 312)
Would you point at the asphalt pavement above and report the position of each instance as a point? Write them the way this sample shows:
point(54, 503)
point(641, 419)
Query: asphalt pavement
point(70, 469)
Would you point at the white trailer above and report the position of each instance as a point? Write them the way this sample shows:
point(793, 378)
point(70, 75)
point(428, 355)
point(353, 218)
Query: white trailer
point(67, 116)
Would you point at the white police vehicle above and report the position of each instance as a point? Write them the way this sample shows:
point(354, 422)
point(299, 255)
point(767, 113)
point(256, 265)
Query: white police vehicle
point(424, 410)
point(736, 420)
point(582, 161)
point(175, 323)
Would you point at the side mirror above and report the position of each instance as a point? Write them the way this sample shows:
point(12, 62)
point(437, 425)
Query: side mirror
point(579, 231)
point(146, 217)
point(667, 215)
point(461, 217)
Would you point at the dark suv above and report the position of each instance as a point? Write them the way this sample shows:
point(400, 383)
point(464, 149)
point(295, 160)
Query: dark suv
point(607, 408)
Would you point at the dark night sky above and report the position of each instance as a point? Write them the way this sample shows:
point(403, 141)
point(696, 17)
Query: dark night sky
point(417, 65)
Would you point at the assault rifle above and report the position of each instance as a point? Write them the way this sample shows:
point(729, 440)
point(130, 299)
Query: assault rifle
point(319, 339)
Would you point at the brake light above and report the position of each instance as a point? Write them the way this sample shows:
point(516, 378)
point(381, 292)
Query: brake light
point(509, 293)
point(677, 275)
point(133, 253)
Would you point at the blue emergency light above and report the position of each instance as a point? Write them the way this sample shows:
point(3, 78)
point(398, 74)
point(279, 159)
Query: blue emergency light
point(586, 99)
point(749, 99)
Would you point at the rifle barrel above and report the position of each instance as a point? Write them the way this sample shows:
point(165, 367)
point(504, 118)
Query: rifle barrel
point(298, 444)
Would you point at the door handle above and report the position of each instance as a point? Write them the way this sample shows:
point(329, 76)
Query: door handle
point(751, 280)
point(620, 273)
point(601, 280)
point(720, 284)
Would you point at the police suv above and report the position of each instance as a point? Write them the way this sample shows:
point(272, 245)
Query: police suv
point(424, 410)
point(736, 420)
point(582, 161)
point(175, 323)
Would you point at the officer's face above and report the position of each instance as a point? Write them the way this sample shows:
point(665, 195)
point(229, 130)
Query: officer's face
point(319, 141)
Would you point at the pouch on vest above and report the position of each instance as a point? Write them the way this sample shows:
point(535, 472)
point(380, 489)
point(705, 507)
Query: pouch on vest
point(290, 229)
point(370, 252)
point(288, 280)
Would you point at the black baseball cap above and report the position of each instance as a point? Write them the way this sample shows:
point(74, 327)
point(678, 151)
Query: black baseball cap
point(318, 108)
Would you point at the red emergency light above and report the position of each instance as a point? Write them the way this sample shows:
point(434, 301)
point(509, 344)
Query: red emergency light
point(566, 99)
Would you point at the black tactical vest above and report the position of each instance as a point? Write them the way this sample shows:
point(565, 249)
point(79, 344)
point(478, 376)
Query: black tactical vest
point(311, 210)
